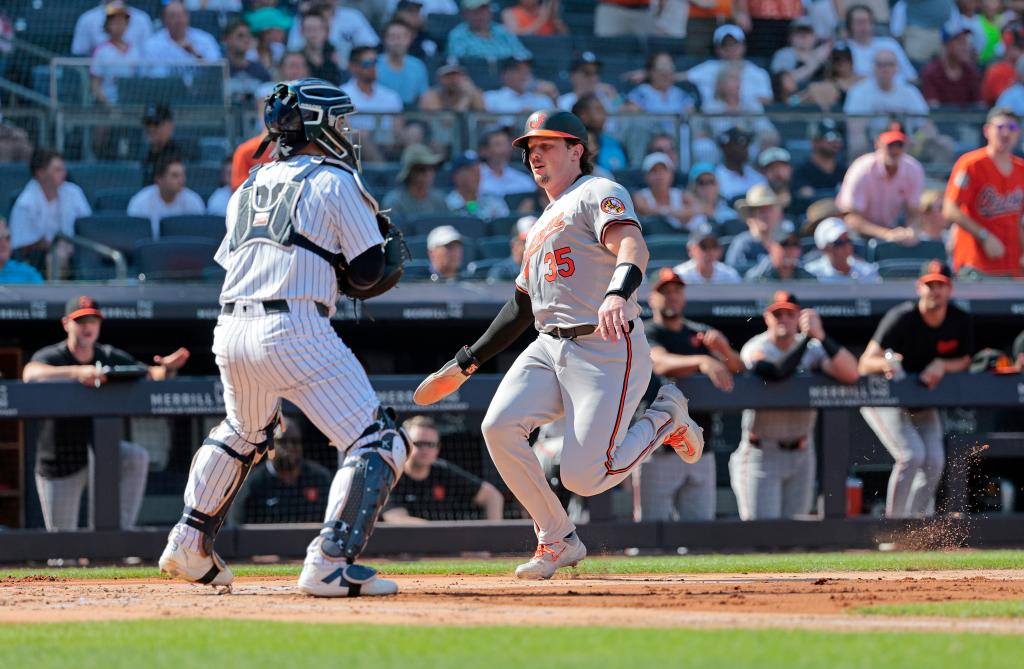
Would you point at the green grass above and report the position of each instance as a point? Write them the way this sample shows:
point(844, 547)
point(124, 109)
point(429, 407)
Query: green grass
point(1008, 608)
point(795, 563)
point(255, 644)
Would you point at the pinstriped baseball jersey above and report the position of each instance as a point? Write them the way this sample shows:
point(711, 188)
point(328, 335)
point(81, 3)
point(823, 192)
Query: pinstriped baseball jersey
point(566, 267)
point(782, 424)
point(332, 209)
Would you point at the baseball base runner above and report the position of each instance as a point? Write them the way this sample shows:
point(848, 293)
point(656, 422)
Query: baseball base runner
point(584, 260)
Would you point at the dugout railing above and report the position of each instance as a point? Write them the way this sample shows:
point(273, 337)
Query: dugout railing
point(202, 397)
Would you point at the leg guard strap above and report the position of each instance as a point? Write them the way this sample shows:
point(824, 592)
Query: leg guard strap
point(354, 576)
point(369, 479)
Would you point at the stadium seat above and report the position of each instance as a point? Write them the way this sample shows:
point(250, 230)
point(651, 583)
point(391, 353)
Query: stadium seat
point(492, 247)
point(206, 87)
point(145, 90)
point(202, 225)
point(502, 226)
point(733, 227)
point(181, 258)
point(631, 177)
point(203, 178)
point(899, 268)
point(925, 250)
point(667, 247)
point(94, 177)
point(478, 269)
point(71, 84)
point(417, 246)
point(214, 149)
point(14, 176)
point(655, 265)
point(439, 25)
point(513, 200)
point(112, 200)
point(466, 225)
point(117, 231)
point(211, 20)
point(656, 225)
point(50, 24)
point(484, 73)
point(417, 269)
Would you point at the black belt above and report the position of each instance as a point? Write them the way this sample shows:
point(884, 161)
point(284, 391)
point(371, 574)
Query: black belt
point(578, 331)
point(794, 445)
point(275, 307)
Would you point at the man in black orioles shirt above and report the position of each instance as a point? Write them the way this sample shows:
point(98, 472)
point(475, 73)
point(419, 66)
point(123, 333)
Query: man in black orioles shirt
point(669, 488)
point(62, 452)
point(928, 338)
point(432, 489)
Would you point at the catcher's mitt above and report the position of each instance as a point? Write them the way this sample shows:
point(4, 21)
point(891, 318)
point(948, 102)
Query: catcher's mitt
point(395, 254)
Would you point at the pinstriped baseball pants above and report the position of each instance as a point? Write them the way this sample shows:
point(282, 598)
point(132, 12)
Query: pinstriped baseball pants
point(770, 482)
point(295, 356)
point(915, 441)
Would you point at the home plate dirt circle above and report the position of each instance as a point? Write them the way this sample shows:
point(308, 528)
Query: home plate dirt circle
point(819, 601)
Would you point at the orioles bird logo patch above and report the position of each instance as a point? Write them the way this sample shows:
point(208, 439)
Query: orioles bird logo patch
point(613, 205)
point(536, 121)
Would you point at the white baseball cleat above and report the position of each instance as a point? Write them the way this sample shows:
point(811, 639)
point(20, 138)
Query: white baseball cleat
point(686, 437)
point(187, 565)
point(550, 557)
point(324, 577)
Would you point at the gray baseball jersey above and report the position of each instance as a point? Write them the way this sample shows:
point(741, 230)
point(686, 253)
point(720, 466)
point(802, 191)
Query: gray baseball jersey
point(566, 266)
point(781, 424)
point(595, 384)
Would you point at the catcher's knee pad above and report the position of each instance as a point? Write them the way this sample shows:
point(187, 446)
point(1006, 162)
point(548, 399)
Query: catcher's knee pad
point(372, 465)
point(218, 471)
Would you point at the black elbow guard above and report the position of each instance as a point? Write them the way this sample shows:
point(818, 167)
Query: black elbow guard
point(367, 268)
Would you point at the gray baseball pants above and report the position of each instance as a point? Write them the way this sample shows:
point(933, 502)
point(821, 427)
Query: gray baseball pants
point(770, 482)
point(61, 498)
point(670, 489)
point(915, 441)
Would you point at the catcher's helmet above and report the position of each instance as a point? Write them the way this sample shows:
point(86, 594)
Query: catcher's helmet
point(308, 110)
point(551, 123)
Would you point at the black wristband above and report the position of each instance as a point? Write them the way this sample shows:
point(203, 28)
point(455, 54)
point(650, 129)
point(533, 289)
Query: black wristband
point(831, 346)
point(625, 280)
point(467, 361)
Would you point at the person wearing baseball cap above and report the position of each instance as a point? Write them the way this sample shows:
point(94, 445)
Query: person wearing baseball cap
point(465, 198)
point(62, 458)
point(881, 187)
point(585, 79)
point(705, 265)
point(951, 79)
point(454, 91)
point(661, 198)
point(783, 260)
point(772, 472)
point(925, 339)
point(776, 165)
point(478, 36)
point(706, 203)
point(669, 488)
point(415, 195)
point(731, 47)
point(445, 251)
point(824, 168)
point(837, 263)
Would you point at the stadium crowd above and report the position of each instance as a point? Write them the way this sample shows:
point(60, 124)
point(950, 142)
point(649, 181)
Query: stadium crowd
point(726, 190)
point(884, 71)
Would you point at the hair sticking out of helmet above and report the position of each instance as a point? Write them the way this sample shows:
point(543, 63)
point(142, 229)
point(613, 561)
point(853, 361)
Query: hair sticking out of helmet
point(306, 111)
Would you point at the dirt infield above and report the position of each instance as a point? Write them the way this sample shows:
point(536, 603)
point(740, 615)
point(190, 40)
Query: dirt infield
point(822, 601)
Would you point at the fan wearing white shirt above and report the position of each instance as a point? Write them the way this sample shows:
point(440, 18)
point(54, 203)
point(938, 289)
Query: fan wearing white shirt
point(114, 58)
point(178, 41)
point(514, 97)
point(731, 47)
point(864, 45)
point(349, 29)
point(167, 197)
point(217, 205)
point(704, 265)
point(497, 176)
point(90, 31)
point(837, 263)
point(48, 205)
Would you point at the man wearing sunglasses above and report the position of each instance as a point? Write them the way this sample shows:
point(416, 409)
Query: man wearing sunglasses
point(837, 263)
point(985, 200)
point(783, 260)
point(435, 489)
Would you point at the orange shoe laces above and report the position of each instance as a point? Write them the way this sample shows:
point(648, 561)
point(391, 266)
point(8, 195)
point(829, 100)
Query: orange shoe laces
point(543, 549)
